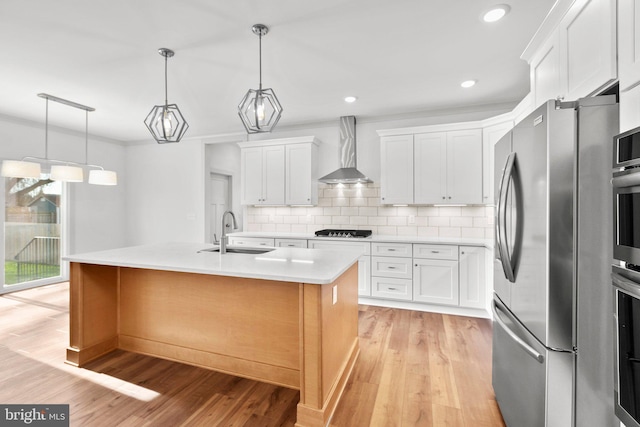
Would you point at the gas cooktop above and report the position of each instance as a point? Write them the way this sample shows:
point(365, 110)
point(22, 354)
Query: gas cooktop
point(329, 232)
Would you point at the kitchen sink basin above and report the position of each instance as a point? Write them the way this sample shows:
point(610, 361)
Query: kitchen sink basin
point(253, 251)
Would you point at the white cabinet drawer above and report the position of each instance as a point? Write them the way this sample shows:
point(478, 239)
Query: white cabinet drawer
point(251, 241)
point(364, 247)
point(291, 243)
point(385, 266)
point(390, 288)
point(392, 249)
point(435, 251)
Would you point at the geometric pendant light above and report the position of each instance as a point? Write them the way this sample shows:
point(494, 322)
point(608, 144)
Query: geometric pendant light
point(260, 109)
point(165, 122)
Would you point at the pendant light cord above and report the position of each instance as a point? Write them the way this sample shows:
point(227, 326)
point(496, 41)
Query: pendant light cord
point(166, 96)
point(46, 129)
point(86, 137)
point(260, 60)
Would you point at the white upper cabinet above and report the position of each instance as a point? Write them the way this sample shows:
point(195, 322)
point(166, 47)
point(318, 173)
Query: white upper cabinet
point(464, 167)
point(262, 170)
point(628, 43)
point(545, 72)
point(301, 187)
point(279, 172)
point(396, 169)
point(573, 55)
point(428, 168)
point(588, 43)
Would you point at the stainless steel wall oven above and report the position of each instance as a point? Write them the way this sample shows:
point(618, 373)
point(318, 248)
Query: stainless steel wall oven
point(626, 197)
point(626, 285)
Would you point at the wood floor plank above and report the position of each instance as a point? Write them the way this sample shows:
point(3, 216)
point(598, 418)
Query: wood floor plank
point(415, 369)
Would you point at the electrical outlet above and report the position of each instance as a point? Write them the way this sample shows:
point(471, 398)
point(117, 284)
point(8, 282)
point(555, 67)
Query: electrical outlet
point(335, 294)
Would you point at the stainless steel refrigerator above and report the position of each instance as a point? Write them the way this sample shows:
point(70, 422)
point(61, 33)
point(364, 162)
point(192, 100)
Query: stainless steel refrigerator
point(552, 332)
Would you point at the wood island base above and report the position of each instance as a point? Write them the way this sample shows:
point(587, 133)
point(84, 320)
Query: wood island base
point(284, 333)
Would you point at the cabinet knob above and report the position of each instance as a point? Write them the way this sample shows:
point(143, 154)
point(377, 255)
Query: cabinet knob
point(383, 198)
point(416, 265)
point(443, 197)
point(449, 196)
point(462, 252)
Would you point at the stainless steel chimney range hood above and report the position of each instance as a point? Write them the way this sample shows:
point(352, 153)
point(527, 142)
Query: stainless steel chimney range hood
point(348, 173)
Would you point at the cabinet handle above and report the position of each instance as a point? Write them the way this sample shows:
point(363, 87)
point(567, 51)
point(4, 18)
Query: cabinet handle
point(391, 267)
point(291, 246)
point(392, 289)
point(391, 250)
point(435, 252)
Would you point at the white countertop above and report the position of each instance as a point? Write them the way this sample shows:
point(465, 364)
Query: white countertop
point(487, 243)
point(317, 266)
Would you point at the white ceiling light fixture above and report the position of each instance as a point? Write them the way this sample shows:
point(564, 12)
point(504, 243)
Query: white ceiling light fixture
point(350, 99)
point(165, 122)
point(496, 13)
point(66, 171)
point(260, 109)
point(468, 83)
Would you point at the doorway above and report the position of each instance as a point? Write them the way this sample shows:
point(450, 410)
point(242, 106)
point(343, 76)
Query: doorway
point(219, 202)
point(33, 236)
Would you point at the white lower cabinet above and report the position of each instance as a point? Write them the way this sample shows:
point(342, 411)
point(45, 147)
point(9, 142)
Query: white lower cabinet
point(450, 275)
point(291, 243)
point(435, 281)
point(390, 288)
point(251, 241)
point(391, 275)
point(472, 270)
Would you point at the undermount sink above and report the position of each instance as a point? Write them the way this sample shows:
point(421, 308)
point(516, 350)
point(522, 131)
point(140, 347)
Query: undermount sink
point(254, 251)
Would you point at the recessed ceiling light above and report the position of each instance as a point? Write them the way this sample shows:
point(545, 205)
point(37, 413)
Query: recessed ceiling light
point(350, 99)
point(496, 13)
point(468, 83)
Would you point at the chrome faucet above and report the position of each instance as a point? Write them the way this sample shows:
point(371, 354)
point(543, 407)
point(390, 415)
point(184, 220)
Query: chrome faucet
point(224, 238)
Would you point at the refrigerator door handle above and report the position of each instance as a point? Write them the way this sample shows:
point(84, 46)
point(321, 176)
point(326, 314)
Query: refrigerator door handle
point(501, 223)
point(526, 347)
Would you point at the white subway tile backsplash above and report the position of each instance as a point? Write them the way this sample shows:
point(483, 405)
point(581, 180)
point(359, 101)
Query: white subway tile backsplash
point(340, 201)
point(428, 231)
point(331, 211)
point(475, 233)
point(283, 228)
point(377, 220)
point(450, 232)
point(358, 220)
point(340, 220)
point(397, 220)
point(388, 230)
point(407, 231)
point(358, 206)
point(439, 221)
point(368, 211)
point(387, 211)
point(358, 201)
point(407, 210)
point(462, 221)
point(450, 210)
point(349, 211)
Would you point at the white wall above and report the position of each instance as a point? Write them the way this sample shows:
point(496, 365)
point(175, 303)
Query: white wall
point(165, 192)
point(97, 213)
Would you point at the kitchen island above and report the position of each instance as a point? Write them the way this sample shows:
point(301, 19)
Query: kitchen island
point(287, 317)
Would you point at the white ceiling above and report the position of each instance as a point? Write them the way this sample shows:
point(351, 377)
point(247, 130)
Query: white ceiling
point(398, 57)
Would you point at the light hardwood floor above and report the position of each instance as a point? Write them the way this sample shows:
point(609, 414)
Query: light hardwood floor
point(414, 369)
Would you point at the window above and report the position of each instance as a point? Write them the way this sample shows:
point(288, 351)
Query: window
point(33, 236)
